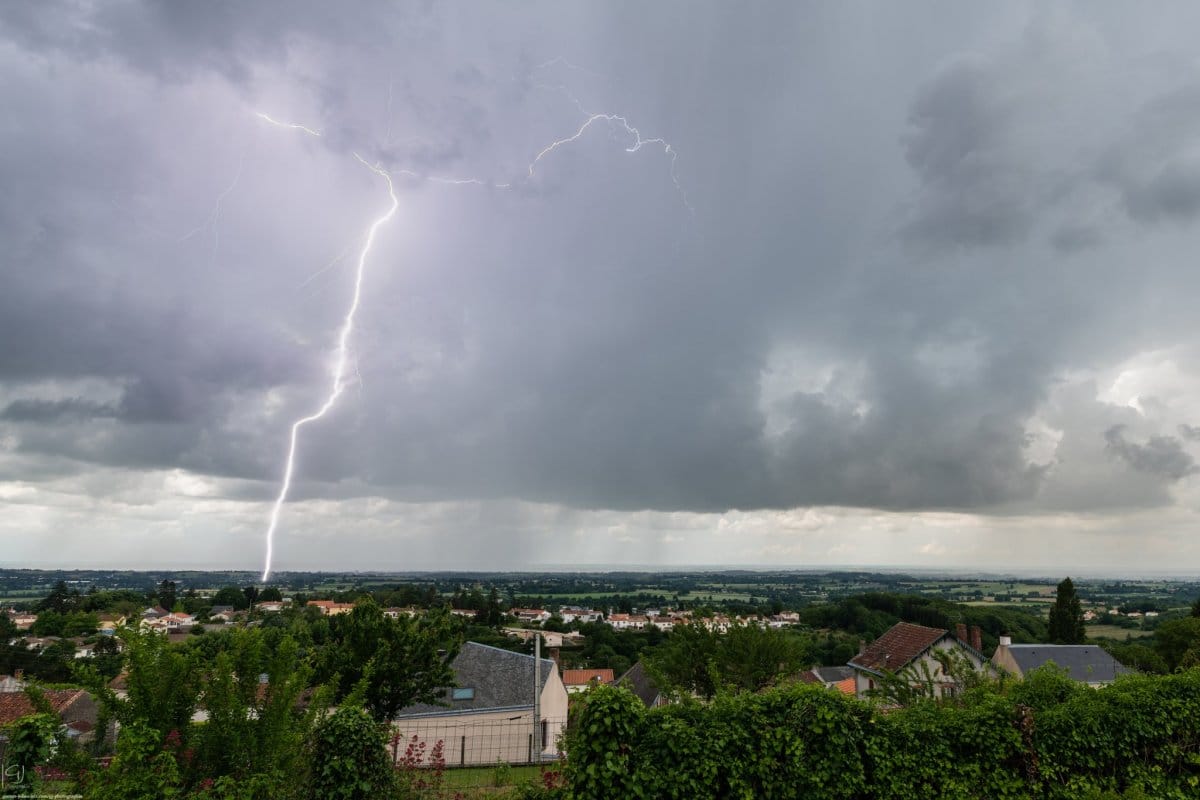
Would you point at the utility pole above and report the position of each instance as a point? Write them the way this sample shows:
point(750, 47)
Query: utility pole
point(537, 696)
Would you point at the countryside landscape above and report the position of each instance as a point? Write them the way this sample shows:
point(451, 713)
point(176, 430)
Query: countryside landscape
point(695, 400)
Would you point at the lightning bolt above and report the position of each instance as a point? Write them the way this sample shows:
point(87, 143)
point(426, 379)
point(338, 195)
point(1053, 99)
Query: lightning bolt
point(291, 125)
point(214, 217)
point(342, 352)
point(342, 357)
point(617, 119)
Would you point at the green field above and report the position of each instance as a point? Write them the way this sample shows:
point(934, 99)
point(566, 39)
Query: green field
point(1113, 632)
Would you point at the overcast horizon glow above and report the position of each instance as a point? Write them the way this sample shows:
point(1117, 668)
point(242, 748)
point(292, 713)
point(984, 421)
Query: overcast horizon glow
point(928, 298)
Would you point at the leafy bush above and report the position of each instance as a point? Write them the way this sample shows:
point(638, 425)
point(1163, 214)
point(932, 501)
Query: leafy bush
point(1045, 737)
point(350, 759)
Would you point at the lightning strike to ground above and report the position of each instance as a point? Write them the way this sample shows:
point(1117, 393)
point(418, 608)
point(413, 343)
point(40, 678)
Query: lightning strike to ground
point(340, 360)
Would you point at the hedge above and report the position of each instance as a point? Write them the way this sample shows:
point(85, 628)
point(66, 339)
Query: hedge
point(1045, 737)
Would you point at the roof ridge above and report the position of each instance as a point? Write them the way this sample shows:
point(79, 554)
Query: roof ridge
point(510, 652)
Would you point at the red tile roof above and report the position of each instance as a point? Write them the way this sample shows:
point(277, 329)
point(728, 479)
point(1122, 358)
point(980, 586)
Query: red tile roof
point(582, 677)
point(901, 643)
point(14, 705)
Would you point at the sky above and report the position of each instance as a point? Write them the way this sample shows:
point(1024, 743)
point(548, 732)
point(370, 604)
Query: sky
point(833, 284)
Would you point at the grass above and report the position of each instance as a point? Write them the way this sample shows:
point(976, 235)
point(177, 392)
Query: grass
point(461, 777)
point(1115, 632)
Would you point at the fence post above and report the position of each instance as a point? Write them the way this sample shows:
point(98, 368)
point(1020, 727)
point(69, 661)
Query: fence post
point(462, 752)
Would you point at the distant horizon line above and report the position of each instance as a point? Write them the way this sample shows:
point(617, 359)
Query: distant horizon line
point(993, 571)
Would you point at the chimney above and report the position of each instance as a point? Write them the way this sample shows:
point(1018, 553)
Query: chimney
point(977, 638)
point(862, 646)
point(555, 656)
point(960, 632)
point(1005, 641)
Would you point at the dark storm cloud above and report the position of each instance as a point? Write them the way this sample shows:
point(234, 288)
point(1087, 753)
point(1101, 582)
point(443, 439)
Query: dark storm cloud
point(1160, 455)
point(55, 410)
point(1190, 432)
point(583, 338)
point(976, 186)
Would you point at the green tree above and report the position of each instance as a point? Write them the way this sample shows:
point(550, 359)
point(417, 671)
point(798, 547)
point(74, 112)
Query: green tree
point(255, 726)
point(270, 594)
point(231, 596)
point(750, 657)
point(1175, 638)
point(61, 599)
point(1066, 616)
point(72, 623)
point(401, 661)
point(350, 760)
point(686, 663)
point(167, 594)
point(162, 684)
point(30, 742)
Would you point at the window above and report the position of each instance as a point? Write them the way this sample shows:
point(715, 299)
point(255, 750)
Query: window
point(466, 693)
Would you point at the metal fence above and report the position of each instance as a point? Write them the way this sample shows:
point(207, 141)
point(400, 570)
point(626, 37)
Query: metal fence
point(473, 740)
point(471, 754)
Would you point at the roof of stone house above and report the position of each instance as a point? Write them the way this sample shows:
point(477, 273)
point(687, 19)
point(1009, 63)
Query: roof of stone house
point(637, 681)
point(14, 705)
point(1083, 662)
point(898, 646)
point(833, 674)
point(498, 678)
point(582, 677)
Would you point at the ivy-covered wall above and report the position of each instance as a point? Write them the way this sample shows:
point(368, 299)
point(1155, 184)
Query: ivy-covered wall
point(1045, 737)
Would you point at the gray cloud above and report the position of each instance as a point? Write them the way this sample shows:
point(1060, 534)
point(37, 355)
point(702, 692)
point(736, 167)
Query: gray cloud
point(55, 410)
point(899, 251)
point(1160, 455)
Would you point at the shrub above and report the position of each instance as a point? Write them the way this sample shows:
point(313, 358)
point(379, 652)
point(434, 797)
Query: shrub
point(1046, 737)
point(350, 759)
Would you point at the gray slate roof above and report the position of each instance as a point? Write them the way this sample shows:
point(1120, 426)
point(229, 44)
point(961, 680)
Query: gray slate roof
point(637, 681)
point(1083, 662)
point(833, 674)
point(500, 678)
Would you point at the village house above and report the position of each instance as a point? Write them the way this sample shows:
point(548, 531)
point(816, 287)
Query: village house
point(532, 616)
point(840, 678)
point(627, 622)
point(75, 708)
point(1083, 662)
point(571, 614)
point(642, 685)
point(331, 608)
point(23, 620)
point(173, 622)
point(907, 650)
point(487, 716)
point(718, 622)
point(578, 680)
